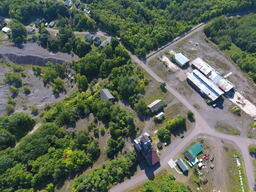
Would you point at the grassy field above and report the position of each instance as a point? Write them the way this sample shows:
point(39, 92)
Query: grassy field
point(227, 129)
point(154, 92)
point(233, 183)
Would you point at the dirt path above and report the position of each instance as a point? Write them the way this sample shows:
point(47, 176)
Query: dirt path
point(32, 131)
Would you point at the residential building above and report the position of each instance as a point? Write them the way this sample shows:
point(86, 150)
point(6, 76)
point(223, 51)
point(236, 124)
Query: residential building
point(156, 105)
point(106, 95)
point(204, 85)
point(183, 167)
point(192, 153)
point(180, 59)
point(143, 146)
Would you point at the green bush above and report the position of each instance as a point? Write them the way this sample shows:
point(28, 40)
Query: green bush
point(236, 111)
point(163, 134)
point(252, 150)
point(17, 68)
point(37, 70)
point(177, 124)
point(11, 100)
point(190, 116)
point(13, 79)
point(9, 109)
point(34, 110)
point(14, 91)
point(26, 90)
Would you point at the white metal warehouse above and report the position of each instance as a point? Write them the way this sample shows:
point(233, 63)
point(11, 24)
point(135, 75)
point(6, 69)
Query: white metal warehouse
point(204, 85)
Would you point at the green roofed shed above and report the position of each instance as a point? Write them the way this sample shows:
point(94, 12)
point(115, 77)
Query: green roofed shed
point(195, 149)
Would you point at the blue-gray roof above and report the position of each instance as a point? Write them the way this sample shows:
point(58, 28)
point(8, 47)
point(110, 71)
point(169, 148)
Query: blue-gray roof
point(181, 59)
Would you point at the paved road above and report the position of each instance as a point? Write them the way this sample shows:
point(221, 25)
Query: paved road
point(201, 129)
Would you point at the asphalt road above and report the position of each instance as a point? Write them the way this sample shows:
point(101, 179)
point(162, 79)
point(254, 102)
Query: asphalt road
point(201, 129)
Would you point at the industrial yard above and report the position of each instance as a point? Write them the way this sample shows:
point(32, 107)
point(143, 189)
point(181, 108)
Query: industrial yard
point(219, 89)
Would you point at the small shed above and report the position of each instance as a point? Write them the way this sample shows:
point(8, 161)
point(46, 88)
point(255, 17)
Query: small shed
point(183, 167)
point(160, 116)
point(156, 105)
point(6, 30)
point(106, 95)
point(104, 43)
point(180, 59)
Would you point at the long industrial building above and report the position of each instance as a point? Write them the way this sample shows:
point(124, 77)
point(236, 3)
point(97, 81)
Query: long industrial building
point(212, 74)
point(204, 85)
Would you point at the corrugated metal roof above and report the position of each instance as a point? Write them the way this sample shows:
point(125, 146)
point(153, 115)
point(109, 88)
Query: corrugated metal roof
point(154, 106)
point(195, 149)
point(224, 84)
point(202, 66)
point(205, 85)
point(181, 59)
point(182, 165)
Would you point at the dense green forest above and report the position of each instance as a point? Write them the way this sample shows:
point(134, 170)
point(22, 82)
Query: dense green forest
point(145, 25)
point(236, 36)
point(102, 178)
point(52, 154)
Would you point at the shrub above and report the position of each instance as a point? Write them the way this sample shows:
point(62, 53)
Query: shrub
point(34, 110)
point(162, 87)
point(17, 68)
point(10, 100)
point(176, 125)
point(14, 91)
point(190, 116)
point(9, 109)
point(26, 90)
point(13, 79)
point(37, 70)
point(236, 111)
point(252, 150)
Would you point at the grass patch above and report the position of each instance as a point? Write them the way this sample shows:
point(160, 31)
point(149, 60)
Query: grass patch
point(233, 171)
point(226, 129)
point(153, 92)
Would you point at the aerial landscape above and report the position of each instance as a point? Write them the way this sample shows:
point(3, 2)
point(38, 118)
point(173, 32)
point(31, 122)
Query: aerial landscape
point(127, 95)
